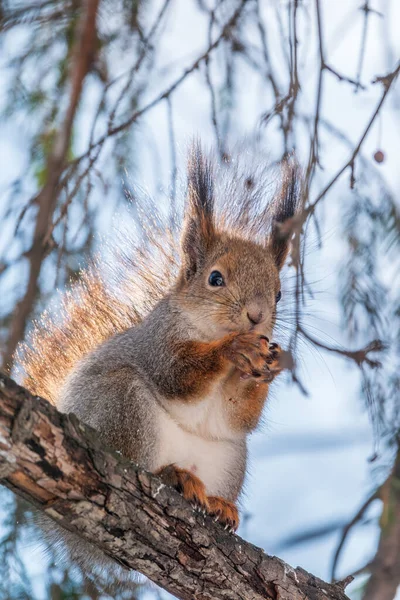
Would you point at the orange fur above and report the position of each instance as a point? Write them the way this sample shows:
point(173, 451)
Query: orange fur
point(111, 296)
point(225, 511)
point(190, 486)
point(188, 377)
point(247, 399)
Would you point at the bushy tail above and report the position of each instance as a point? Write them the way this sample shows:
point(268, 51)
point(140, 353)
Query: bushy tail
point(109, 297)
point(115, 294)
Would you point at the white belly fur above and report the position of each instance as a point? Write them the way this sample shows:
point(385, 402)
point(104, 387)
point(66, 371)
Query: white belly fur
point(183, 433)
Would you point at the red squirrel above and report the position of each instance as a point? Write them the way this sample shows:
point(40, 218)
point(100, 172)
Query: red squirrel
point(178, 388)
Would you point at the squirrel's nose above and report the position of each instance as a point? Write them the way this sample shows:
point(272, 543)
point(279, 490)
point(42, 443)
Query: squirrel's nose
point(255, 316)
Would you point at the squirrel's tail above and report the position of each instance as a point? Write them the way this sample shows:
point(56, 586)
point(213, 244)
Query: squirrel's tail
point(115, 294)
point(110, 296)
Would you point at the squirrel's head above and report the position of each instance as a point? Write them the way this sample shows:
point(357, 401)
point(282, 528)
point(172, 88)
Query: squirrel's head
point(228, 283)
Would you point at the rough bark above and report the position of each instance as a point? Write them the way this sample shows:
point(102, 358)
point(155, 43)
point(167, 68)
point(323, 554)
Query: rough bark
point(59, 465)
point(385, 568)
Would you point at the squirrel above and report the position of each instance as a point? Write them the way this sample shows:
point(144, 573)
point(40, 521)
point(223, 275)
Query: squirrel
point(177, 386)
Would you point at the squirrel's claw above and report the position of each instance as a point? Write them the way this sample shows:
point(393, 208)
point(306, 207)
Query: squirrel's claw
point(190, 486)
point(255, 356)
point(224, 512)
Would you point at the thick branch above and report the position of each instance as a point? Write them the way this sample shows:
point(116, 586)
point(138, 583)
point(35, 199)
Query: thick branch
point(385, 568)
point(59, 465)
point(46, 200)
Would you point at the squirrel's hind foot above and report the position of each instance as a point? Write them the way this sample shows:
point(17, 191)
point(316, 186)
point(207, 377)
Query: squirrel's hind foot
point(224, 511)
point(193, 489)
point(188, 484)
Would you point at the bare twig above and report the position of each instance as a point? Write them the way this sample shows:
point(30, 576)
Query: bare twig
point(112, 131)
point(342, 77)
point(172, 144)
point(346, 530)
point(366, 9)
point(211, 87)
point(135, 68)
point(358, 356)
point(387, 81)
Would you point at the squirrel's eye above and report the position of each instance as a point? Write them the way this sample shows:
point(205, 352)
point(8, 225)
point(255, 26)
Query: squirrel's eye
point(278, 296)
point(216, 279)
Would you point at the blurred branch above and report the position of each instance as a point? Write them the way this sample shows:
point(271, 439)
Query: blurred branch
point(346, 530)
point(46, 199)
point(129, 514)
point(114, 130)
point(297, 223)
point(387, 82)
point(147, 42)
point(367, 10)
point(358, 356)
point(342, 77)
point(385, 567)
point(32, 12)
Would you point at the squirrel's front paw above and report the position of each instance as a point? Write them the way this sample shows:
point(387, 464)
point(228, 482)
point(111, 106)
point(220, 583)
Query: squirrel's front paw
point(273, 361)
point(254, 356)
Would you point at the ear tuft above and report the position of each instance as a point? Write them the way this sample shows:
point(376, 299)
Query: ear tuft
point(198, 227)
point(200, 182)
point(284, 208)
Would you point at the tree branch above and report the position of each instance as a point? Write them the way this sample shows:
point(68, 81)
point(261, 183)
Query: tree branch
point(46, 200)
point(61, 467)
point(116, 129)
point(385, 567)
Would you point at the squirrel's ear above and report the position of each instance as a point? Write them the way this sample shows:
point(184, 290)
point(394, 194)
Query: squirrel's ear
point(198, 228)
point(285, 206)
